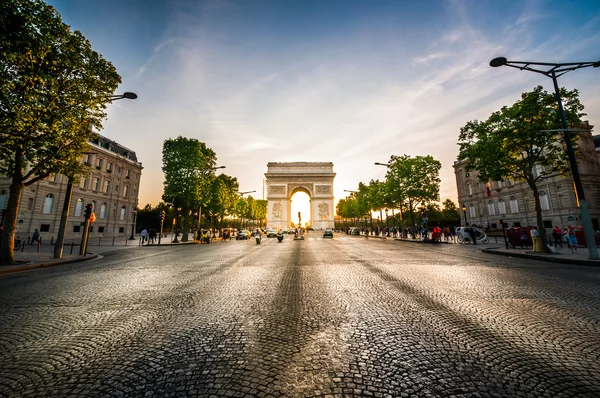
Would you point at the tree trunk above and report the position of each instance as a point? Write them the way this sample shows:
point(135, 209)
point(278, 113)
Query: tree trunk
point(185, 230)
point(538, 217)
point(7, 242)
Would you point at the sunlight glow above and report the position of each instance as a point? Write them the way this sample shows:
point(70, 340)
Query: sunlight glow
point(300, 203)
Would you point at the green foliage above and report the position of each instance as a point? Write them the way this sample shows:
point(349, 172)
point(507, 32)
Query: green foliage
point(450, 212)
point(53, 89)
point(187, 165)
point(510, 142)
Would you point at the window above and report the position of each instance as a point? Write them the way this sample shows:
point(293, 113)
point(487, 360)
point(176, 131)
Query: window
point(472, 212)
point(93, 206)
point(544, 202)
point(538, 169)
point(109, 167)
point(117, 188)
point(125, 191)
point(79, 207)
point(29, 203)
point(83, 182)
point(491, 209)
point(48, 202)
point(88, 159)
point(103, 210)
point(76, 228)
point(123, 209)
point(56, 177)
point(121, 230)
point(501, 206)
point(99, 164)
point(514, 205)
point(45, 228)
point(100, 229)
point(127, 172)
point(96, 184)
point(3, 197)
point(470, 189)
point(106, 186)
point(91, 228)
point(119, 170)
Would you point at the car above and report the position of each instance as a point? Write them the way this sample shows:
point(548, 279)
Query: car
point(291, 231)
point(271, 233)
point(243, 235)
point(328, 233)
point(354, 231)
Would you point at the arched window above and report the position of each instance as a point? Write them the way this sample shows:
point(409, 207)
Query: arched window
point(123, 209)
point(491, 208)
point(79, 207)
point(48, 202)
point(514, 205)
point(103, 210)
point(501, 206)
point(3, 197)
point(544, 202)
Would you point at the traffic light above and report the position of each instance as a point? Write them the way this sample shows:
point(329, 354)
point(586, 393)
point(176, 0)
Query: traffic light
point(162, 216)
point(88, 210)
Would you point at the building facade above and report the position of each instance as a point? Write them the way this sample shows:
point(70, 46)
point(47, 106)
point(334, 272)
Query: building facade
point(111, 186)
point(513, 201)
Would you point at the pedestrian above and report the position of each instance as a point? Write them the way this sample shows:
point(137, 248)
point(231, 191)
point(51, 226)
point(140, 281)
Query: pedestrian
point(535, 237)
point(572, 240)
point(557, 237)
point(143, 235)
point(152, 235)
point(36, 237)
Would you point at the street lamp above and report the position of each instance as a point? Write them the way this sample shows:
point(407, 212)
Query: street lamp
point(177, 226)
point(133, 220)
point(64, 217)
point(554, 71)
point(464, 209)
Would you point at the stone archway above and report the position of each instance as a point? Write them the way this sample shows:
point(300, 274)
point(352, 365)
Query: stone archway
point(285, 179)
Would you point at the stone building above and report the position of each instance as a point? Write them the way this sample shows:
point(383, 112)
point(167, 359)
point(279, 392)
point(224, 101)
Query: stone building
point(111, 186)
point(513, 201)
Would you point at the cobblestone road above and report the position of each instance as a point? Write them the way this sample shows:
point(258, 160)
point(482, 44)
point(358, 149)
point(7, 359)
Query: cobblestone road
point(347, 317)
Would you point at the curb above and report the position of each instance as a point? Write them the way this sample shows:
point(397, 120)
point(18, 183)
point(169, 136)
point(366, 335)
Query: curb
point(549, 258)
point(19, 268)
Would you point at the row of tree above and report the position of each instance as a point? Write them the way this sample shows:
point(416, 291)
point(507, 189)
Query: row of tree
point(411, 186)
point(523, 142)
point(196, 196)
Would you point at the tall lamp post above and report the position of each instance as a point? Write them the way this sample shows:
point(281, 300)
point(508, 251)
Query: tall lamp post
point(133, 221)
point(64, 217)
point(464, 209)
point(554, 71)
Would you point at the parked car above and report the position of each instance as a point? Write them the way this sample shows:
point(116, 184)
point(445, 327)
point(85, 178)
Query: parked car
point(243, 235)
point(271, 232)
point(328, 233)
point(354, 231)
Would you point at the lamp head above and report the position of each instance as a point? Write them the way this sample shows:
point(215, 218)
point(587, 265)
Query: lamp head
point(498, 61)
point(464, 207)
point(130, 95)
point(596, 65)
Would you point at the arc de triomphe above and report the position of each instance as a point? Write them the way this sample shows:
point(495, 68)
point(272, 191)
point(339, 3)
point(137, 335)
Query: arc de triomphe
point(285, 179)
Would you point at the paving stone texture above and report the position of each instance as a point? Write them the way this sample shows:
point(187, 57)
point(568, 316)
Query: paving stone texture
point(343, 317)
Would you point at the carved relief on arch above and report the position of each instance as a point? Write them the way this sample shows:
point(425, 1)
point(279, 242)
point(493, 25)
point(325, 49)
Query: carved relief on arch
point(307, 187)
point(277, 189)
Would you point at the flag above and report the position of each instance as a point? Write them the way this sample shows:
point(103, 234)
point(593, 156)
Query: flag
point(488, 189)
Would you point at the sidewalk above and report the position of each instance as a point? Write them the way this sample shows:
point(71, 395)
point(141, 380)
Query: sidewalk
point(27, 257)
point(563, 256)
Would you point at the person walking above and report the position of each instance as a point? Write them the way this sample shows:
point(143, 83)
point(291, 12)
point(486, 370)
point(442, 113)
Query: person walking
point(572, 240)
point(36, 237)
point(143, 235)
point(535, 238)
point(557, 236)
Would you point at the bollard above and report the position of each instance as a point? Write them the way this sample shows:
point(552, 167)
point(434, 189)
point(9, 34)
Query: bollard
point(71, 248)
point(113, 241)
point(52, 240)
point(126, 241)
point(22, 248)
point(28, 240)
point(38, 246)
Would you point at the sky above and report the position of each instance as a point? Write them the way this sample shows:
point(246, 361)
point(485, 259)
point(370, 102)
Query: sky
point(349, 82)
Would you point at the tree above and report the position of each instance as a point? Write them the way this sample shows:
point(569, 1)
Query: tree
point(450, 212)
point(223, 196)
point(414, 181)
point(53, 89)
point(511, 144)
point(187, 165)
